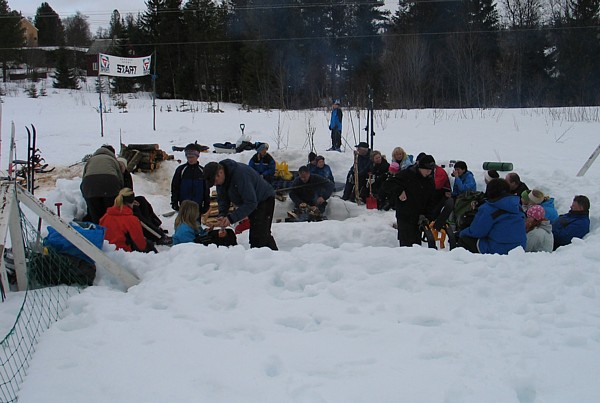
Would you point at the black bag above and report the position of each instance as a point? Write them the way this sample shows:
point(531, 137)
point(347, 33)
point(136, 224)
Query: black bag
point(217, 238)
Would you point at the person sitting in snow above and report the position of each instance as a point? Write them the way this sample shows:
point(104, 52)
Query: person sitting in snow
point(312, 162)
point(516, 186)
point(187, 223)
point(377, 175)
point(364, 166)
point(463, 179)
point(388, 193)
point(313, 190)
point(402, 158)
point(499, 224)
point(489, 175)
point(574, 224)
point(143, 210)
point(123, 229)
point(536, 197)
point(321, 168)
point(263, 163)
point(539, 231)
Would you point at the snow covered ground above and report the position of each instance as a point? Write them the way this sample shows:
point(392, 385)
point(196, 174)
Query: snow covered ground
point(340, 313)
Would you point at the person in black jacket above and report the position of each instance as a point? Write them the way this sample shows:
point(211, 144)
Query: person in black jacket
point(313, 190)
point(101, 182)
point(416, 189)
point(364, 165)
point(251, 195)
point(188, 181)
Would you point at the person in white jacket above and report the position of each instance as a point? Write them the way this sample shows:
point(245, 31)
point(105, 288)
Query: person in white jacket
point(539, 231)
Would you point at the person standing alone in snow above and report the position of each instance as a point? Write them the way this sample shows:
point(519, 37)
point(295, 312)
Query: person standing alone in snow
point(335, 125)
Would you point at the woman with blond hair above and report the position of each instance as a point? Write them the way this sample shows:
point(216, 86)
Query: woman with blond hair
point(403, 159)
point(123, 229)
point(187, 226)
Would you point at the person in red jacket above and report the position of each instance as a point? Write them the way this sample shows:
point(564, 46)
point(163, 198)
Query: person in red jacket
point(123, 229)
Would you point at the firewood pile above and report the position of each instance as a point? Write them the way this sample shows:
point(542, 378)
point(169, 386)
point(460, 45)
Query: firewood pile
point(210, 217)
point(143, 157)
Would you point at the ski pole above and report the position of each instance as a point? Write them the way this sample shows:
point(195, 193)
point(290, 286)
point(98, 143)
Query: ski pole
point(57, 204)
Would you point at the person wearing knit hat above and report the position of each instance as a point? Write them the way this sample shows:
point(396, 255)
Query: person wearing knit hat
point(188, 181)
point(414, 192)
point(489, 175)
point(539, 230)
point(364, 165)
point(263, 163)
point(537, 197)
point(394, 168)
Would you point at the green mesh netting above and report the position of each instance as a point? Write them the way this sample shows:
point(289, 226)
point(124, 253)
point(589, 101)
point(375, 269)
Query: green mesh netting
point(52, 279)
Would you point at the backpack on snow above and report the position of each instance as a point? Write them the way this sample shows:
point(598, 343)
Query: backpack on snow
point(465, 208)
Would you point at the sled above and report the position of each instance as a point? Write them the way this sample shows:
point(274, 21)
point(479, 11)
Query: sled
point(203, 148)
point(224, 148)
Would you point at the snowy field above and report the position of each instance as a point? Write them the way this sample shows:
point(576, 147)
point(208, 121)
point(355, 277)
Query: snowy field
point(340, 313)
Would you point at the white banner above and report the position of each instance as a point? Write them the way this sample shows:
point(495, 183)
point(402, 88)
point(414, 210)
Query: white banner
point(123, 66)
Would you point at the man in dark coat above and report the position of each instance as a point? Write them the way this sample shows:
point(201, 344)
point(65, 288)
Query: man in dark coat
point(188, 181)
point(313, 190)
point(252, 196)
point(102, 180)
point(364, 165)
point(416, 189)
point(514, 182)
point(574, 224)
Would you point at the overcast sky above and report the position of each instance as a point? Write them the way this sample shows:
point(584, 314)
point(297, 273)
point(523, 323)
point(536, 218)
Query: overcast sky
point(99, 11)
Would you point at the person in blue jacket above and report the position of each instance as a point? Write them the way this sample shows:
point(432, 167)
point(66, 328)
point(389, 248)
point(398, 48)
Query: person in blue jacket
point(188, 181)
point(335, 125)
point(263, 163)
point(463, 179)
point(499, 224)
point(574, 224)
point(187, 226)
point(322, 169)
point(251, 195)
point(532, 197)
point(313, 190)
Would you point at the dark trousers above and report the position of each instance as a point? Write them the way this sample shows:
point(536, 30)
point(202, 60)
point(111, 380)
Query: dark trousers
point(260, 225)
point(336, 139)
point(468, 243)
point(97, 207)
point(408, 232)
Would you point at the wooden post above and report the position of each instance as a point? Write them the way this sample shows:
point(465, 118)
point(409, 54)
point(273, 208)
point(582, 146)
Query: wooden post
point(589, 162)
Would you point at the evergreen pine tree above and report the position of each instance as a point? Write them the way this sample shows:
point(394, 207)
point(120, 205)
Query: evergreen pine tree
point(11, 36)
point(49, 25)
point(64, 76)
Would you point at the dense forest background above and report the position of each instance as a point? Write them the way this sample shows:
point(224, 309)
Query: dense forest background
point(293, 54)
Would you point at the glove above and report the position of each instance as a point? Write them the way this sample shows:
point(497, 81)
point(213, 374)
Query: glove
point(175, 206)
point(423, 220)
